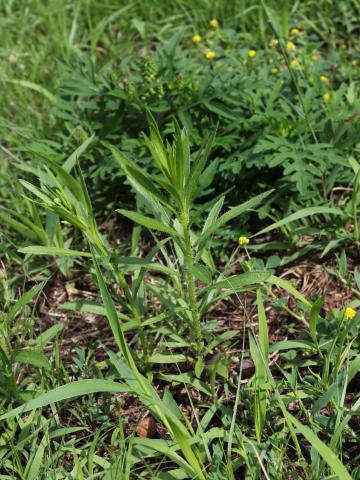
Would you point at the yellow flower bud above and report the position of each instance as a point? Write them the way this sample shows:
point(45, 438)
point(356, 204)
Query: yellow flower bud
point(274, 70)
point(326, 97)
point(244, 240)
point(290, 47)
point(294, 64)
point(324, 79)
point(196, 38)
point(294, 31)
point(252, 53)
point(210, 54)
point(350, 313)
point(214, 24)
point(274, 42)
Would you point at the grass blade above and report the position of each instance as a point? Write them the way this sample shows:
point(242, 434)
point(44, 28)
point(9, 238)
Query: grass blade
point(328, 455)
point(70, 390)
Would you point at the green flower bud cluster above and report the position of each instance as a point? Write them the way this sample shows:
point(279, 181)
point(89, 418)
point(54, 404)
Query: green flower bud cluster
point(150, 69)
point(131, 89)
point(157, 91)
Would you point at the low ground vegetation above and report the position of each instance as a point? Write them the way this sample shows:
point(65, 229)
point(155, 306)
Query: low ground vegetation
point(179, 280)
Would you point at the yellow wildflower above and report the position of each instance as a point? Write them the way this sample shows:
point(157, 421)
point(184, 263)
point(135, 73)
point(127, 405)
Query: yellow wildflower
point(274, 42)
point(252, 53)
point(210, 54)
point(294, 64)
point(350, 313)
point(354, 62)
point(326, 97)
point(294, 31)
point(214, 24)
point(290, 47)
point(274, 70)
point(196, 38)
point(244, 240)
point(324, 79)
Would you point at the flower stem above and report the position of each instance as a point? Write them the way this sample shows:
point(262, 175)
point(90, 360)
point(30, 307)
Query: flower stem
point(190, 281)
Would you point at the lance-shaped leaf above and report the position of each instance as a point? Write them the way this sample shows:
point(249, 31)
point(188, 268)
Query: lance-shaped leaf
point(53, 251)
point(139, 177)
point(230, 214)
point(23, 300)
point(198, 166)
point(303, 213)
point(147, 222)
point(70, 390)
point(238, 282)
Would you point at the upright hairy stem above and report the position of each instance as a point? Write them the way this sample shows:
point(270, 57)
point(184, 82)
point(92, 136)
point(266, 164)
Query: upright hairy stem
point(189, 277)
point(355, 220)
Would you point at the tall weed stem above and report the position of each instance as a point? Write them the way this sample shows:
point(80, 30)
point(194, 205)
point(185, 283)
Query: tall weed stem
point(190, 282)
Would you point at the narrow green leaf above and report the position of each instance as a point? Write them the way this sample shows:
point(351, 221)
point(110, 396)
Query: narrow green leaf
point(65, 179)
point(36, 191)
point(35, 462)
point(238, 282)
point(285, 285)
point(23, 300)
point(213, 214)
point(61, 432)
point(199, 165)
point(156, 146)
point(136, 263)
point(259, 400)
point(291, 344)
point(45, 337)
point(113, 319)
point(147, 222)
point(328, 455)
point(70, 390)
point(90, 307)
point(138, 176)
point(70, 163)
point(19, 227)
point(187, 378)
point(53, 251)
point(232, 213)
point(263, 327)
point(314, 317)
point(342, 264)
point(34, 86)
point(305, 212)
point(354, 410)
point(163, 358)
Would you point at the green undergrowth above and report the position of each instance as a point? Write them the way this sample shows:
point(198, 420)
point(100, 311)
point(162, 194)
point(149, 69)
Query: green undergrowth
point(252, 430)
point(162, 166)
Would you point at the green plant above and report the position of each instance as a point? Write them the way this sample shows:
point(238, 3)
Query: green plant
point(168, 195)
point(346, 229)
point(67, 197)
point(244, 377)
point(174, 215)
point(28, 349)
point(276, 127)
